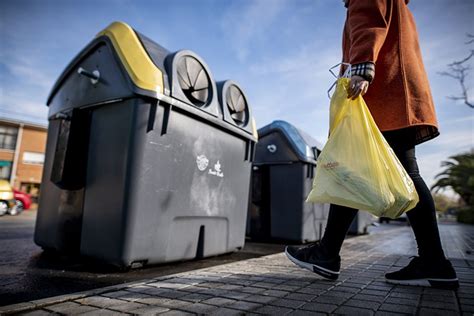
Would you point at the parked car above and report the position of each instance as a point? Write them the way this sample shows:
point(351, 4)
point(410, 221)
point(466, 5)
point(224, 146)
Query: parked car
point(22, 202)
point(7, 199)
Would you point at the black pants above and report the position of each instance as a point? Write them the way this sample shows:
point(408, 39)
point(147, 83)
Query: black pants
point(422, 218)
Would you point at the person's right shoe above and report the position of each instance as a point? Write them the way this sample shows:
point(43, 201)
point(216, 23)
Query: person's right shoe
point(418, 272)
point(313, 258)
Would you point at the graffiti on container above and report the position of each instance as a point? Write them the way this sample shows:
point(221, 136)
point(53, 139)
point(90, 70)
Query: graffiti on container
point(203, 162)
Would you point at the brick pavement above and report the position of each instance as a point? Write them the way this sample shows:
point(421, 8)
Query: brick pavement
point(274, 286)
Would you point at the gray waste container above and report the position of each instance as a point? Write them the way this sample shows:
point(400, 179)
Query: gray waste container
point(148, 160)
point(283, 172)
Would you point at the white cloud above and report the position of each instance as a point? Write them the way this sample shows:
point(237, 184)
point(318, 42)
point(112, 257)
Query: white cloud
point(245, 25)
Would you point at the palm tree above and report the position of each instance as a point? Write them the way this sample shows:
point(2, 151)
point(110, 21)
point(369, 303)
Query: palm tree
point(459, 175)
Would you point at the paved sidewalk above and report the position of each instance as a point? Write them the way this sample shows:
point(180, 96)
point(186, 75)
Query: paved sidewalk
point(273, 285)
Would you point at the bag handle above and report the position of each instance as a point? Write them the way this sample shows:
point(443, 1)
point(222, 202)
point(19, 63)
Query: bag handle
point(347, 74)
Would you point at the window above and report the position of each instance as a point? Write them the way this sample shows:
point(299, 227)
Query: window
point(33, 158)
point(8, 135)
point(5, 169)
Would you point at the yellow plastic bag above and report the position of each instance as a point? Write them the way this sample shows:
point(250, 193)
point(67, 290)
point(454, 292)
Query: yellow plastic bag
point(357, 168)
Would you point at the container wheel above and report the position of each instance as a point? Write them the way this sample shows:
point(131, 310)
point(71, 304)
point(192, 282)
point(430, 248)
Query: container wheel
point(17, 208)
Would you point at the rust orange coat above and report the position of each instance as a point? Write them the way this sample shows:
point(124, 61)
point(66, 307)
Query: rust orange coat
point(384, 32)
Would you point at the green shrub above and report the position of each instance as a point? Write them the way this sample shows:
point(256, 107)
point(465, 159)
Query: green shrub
point(466, 215)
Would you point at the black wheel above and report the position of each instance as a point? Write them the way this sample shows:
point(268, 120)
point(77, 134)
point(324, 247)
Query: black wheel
point(17, 208)
point(3, 208)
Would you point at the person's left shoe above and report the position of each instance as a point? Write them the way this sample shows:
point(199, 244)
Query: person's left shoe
point(313, 258)
point(419, 272)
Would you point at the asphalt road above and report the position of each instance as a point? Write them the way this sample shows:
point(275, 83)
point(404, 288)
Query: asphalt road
point(27, 273)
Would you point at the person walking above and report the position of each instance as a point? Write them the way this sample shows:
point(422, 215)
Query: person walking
point(380, 42)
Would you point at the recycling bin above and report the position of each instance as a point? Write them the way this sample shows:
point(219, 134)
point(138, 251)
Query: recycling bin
point(361, 223)
point(148, 159)
point(283, 172)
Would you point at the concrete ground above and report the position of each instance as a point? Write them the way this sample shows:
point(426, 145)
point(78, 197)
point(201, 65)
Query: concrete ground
point(273, 285)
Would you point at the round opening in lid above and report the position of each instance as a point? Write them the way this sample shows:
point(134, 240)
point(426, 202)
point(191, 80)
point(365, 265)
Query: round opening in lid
point(194, 80)
point(237, 105)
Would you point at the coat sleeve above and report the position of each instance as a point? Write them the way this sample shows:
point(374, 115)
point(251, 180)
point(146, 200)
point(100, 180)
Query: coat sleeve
point(368, 22)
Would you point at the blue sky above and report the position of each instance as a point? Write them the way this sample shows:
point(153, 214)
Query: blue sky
point(279, 51)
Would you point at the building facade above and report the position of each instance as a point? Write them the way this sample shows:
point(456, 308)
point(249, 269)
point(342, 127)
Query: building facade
point(22, 150)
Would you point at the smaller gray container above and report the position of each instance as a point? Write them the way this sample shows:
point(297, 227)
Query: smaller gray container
point(361, 223)
point(283, 172)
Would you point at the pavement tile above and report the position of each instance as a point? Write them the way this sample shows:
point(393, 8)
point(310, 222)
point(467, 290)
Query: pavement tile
point(262, 299)
point(227, 312)
point(401, 301)
point(284, 287)
point(438, 305)
point(174, 303)
point(348, 289)
point(467, 308)
point(102, 312)
point(38, 312)
point(436, 312)
point(149, 310)
point(99, 301)
point(196, 297)
point(339, 294)
point(349, 284)
point(466, 301)
point(168, 285)
point(231, 287)
point(199, 308)
point(211, 285)
point(348, 310)
point(450, 298)
point(275, 293)
point(235, 295)
point(378, 287)
point(306, 313)
point(70, 308)
point(176, 313)
point(370, 298)
point(408, 289)
point(150, 290)
point(330, 299)
point(384, 313)
point(153, 300)
point(273, 310)
point(219, 301)
point(408, 296)
point(319, 307)
point(245, 306)
point(373, 292)
point(115, 293)
point(252, 290)
point(127, 306)
point(287, 303)
point(398, 308)
point(265, 285)
point(363, 304)
point(130, 296)
point(300, 297)
point(311, 291)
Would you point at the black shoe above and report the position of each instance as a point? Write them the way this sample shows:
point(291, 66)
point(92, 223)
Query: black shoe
point(425, 273)
point(311, 257)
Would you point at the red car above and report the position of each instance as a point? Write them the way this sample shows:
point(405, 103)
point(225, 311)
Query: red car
point(22, 200)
